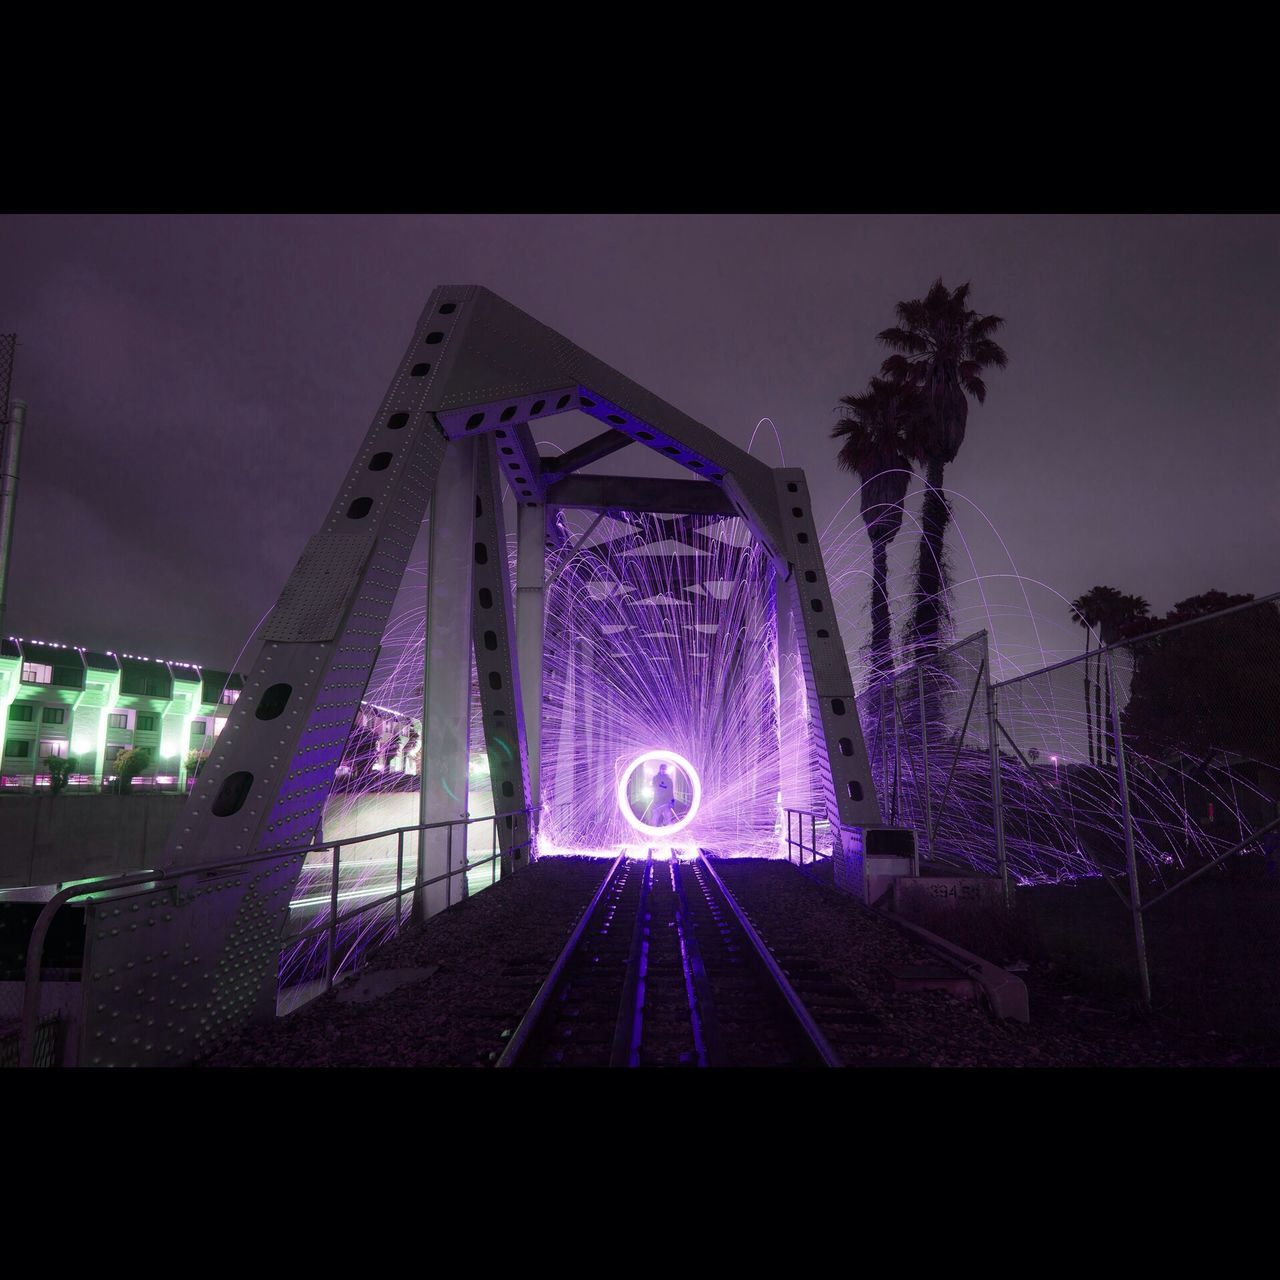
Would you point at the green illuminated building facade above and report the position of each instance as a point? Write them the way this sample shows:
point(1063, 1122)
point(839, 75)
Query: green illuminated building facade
point(64, 701)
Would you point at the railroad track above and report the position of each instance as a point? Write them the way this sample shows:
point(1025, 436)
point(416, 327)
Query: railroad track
point(664, 969)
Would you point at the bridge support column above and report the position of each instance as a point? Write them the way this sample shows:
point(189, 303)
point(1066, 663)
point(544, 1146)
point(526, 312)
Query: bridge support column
point(531, 567)
point(446, 684)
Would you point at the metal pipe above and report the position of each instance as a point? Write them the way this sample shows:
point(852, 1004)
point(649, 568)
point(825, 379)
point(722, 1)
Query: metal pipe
point(9, 494)
point(928, 799)
point(997, 797)
point(336, 867)
point(1130, 857)
point(399, 879)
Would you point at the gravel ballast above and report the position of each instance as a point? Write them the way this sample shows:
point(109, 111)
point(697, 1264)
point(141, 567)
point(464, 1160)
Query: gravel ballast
point(863, 949)
point(444, 994)
point(453, 986)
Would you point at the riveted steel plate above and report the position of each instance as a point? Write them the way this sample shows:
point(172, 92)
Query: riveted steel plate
point(315, 598)
point(172, 971)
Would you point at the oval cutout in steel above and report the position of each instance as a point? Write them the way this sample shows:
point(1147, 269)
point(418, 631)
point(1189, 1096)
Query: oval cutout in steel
point(359, 508)
point(233, 793)
point(273, 701)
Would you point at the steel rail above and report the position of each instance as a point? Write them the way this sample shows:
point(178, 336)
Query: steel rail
point(702, 1012)
point(629, 1027)
point(524, 1030)
point(803, 1017)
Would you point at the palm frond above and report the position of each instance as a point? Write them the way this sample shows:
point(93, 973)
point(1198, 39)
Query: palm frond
point(985, 352)
point(904, 340)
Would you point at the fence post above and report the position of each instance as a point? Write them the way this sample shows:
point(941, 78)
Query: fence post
point(997, 799)
point(928, 799)
point(399, 876)
point(1130, 857)
point(332, 935)
point(897, 758)
point(448, 866)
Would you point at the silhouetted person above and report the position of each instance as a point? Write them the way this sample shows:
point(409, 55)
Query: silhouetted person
point(664, 809)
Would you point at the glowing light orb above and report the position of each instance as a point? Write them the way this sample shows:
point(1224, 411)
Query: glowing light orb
point(624, 803)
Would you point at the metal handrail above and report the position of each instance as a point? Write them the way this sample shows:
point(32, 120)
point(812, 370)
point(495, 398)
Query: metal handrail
point(814, 817)
point(39, 931)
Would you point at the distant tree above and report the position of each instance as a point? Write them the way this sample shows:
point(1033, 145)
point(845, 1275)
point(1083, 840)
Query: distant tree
point(128, 764)
point(195, 761)
point(1211, 687)
point(941, 347)
point(1034, 754)
point(879, 436)
point(60, 770)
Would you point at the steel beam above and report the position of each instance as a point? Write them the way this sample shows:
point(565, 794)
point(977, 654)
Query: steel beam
point(584, 455)
point(844, 769)
point(446, 685)
point(640, 493)
point(508, 367)
point(496, 668)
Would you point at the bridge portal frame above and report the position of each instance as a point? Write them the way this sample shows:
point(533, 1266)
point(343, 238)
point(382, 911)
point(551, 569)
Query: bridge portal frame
point(476, 374)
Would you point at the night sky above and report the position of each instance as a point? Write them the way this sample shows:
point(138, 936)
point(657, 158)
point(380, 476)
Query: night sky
point(197, 386)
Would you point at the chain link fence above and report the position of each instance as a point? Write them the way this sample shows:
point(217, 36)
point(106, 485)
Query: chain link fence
point(1147, 764)
point(927, 738)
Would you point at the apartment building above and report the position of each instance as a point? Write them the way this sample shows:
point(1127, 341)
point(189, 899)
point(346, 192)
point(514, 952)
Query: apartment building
point(65, 700)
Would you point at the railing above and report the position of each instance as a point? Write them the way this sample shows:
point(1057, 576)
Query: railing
point(795, 823)
point(329, 930)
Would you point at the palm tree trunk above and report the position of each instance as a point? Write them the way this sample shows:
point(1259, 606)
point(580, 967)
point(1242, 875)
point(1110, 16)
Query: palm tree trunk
point(931, 604)
point(1088, 710)
point(881, 623)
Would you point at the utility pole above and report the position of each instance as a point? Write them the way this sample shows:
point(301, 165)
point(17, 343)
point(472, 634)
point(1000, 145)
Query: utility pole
point(13, 416)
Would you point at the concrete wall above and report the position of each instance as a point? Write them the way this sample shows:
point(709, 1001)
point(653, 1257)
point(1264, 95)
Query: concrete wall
point(49, 839)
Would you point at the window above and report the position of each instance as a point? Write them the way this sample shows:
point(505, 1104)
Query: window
point(55, 715)
point(230, 695)
point(17, 749)
point(53, 747)
point(20, 711)
point(37, 673)
point(197, 729)
point(118, 720)
point(147, 724)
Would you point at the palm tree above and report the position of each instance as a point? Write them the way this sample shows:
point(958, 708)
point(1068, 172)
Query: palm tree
point(942, 347)
point(1106, 613)
point(879, 434)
